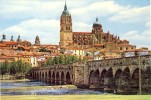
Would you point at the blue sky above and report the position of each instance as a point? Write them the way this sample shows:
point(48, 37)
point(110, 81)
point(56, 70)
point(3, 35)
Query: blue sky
point(129, 19)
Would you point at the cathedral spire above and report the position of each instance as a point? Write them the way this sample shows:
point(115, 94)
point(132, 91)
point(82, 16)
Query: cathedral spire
point(65, 11)
point(12, 38)
point(65, 6)
point(3, 37)
point(96, 19)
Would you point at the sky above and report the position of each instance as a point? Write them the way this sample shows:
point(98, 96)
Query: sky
point(129, 19)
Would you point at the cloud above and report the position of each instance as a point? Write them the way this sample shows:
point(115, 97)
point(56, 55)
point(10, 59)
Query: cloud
point(46, 29)
point(139, 39)
point(132, 14)
point(95, 9)
point(81, 27)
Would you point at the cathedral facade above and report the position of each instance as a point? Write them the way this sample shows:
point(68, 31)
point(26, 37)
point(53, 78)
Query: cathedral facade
point(95, 38)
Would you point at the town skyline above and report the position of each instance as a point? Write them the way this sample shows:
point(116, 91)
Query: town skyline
point(136, 25)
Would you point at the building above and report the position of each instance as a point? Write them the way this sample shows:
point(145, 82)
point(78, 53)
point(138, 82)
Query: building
point(66, 36)
point(97, 38)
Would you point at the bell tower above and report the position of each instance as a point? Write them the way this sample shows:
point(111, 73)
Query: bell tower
point(97, 30)
point(66, 37)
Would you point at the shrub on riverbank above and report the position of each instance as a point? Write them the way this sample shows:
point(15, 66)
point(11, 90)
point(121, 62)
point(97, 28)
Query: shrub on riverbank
point(16, 69)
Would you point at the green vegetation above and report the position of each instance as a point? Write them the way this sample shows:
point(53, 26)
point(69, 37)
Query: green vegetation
point(44, 50)
point(15, 68)
point(77, 97)
point(63, 59)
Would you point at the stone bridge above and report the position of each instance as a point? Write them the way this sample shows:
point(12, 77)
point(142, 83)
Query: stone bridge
point(106, 74)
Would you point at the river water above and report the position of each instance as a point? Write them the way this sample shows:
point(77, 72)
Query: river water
point(45, 91)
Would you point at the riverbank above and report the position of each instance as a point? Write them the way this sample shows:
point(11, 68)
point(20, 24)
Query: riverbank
point(77, 97)
point(28, 88)
point(15, 80)
point(24, 88)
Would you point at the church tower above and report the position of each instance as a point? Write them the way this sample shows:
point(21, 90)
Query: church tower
point(12, 39)
point(97, 31)
point(18, 39)
point(37, 40)
point(3, 37)
point(66, 37)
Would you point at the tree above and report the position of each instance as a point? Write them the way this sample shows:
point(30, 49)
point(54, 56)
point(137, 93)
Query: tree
point(74, 58)
point(13, 68)
point(56, 60)
point(62, 59)
point(27, 67)
point(43, 50)
point(69, 60)
point(49, 62)
point(4, 68)
point(20, 66)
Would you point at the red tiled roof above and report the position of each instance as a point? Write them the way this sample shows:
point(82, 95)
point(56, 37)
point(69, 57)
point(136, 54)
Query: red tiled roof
point(88, 57)
point(81, 32)
point(26, 48)
point(10, 43)
point(3, 45)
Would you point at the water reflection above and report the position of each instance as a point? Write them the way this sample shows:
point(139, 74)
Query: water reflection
point(22, 84)
point(41, 91)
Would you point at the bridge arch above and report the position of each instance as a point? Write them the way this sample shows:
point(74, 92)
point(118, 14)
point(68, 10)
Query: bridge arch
point(50, 78)
point(125, 80)
point(46, 75)
point(91, 77)
point(62, 78)
point(40, 76)
point(135, 79)
point(103, 75)
point(53, 77)
point(43, 76)
point(68, 78)
point(108, 82)
point(57, 78)
point(146, 78)
point(117, 77)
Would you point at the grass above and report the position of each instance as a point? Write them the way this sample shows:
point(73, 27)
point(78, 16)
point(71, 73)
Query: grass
point(77, 97)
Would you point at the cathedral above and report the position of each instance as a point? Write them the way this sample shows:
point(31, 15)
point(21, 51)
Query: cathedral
point(95, 38)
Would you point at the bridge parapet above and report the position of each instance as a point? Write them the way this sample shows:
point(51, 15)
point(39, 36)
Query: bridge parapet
point(121, 61)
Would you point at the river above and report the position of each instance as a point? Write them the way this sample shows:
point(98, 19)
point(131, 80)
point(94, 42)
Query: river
point(39, 91)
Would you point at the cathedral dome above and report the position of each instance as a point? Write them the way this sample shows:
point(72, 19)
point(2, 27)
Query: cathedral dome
point(97, 23)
